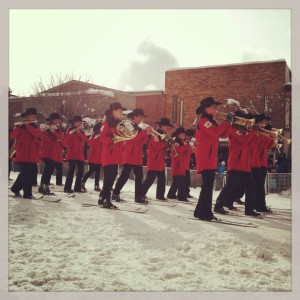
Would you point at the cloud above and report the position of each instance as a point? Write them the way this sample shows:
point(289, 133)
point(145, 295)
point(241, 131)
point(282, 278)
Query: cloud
point(148, 72)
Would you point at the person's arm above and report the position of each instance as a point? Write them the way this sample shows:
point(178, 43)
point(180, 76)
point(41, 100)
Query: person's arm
point(36, 132)
point(106, 135)
point(209, 128)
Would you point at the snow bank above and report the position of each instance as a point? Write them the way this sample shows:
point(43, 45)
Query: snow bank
point(65, 247)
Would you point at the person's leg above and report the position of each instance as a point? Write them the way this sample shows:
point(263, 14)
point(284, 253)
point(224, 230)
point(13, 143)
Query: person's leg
point(161, 184)
point(70, 175)
point(204, 205)
point(80, 170)
point(181, 182)
point(97, 175)
point(89, 172)
point(122, 179)
point(187, 183)
point(173, 189)
point(148, 181)
point(58, 166)
point(18, 184)
point(110, 174)
point(138, 181)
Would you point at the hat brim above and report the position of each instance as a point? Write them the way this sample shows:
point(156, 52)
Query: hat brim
point(162, 124)
point(200, 108)
point(24, 114)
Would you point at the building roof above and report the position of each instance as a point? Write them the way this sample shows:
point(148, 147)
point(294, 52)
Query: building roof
point(227, 65)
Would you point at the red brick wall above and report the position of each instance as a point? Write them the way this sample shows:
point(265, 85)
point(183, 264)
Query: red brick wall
point(153, 106)
point(242, 82)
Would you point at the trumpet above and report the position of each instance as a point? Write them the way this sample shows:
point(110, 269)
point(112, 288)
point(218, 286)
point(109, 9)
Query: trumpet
point(126, 131)
point(273, 134)
point(248, 123)
point(170, 140)
point(192, 147)
point(20, 123)
point(153, 131)
point(281, 138)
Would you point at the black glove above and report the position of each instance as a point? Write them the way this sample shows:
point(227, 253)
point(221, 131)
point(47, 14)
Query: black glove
point(256, 127)
point(230, 117)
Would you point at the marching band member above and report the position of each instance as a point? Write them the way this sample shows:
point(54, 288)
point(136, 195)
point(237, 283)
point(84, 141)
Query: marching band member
point(189, 134)
point(178, 166)
point(94, 158)
point(156, 161)
point(52, 149)
point(239, 171)
point(74, 141)
point(26, 134)
point(132, 159)
point(111, 152)
point(207, 143)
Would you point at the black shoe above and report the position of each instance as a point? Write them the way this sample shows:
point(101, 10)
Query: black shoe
point(239, 201)
point(190, 196)
point(141, 200)
point(78, 191)
point(82, 187)
point(183, 200)
point(172, 197)
point(17, 193)
point(266, 210)
point(97, 188)
point(220, 210)
point(253, 213)
point(69, 191)
point(40, 189)
point(117, 198)
point(28, 197)
point(100, 201)
point(107, 204)
point(46, 189)
point(161, 198)
point(230, 207)
point(208, 218)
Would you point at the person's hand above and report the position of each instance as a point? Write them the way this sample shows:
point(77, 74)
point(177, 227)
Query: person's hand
point(230, 117)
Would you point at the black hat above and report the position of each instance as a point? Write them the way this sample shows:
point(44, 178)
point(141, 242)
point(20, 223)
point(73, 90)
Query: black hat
point(75, 119)
point(116, 105)
point(53, 116)
point(30, 111)
point(97, 126)
point(179, 130)
point(136, 112)
point(241, 114)
point(190, 132)
point(207, 102)
point(261, 117)
point(164, 122)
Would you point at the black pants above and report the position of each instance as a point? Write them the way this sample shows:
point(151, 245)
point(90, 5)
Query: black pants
point(110, 174)
point(264, 171)
point(59, 168)
point(161, 183)
point(9, 167)
point(35, 174)
point(24, 179)
point(260, 199)
point(204, 205)
point(138, 178)
point(70, 175)
point(48, 170)
point(178, 184)
point(93, 168)
point(187, 182)
point(235, 178)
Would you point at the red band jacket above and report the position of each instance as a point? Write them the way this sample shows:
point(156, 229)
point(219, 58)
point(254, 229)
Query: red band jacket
point(239, 150)
point(111, 152)
point(133, 150)
point(156, 154)
point(52, 145)
point(207, 143)
point(27, 147)
point(264, 145)
point(75, 145)
point(95, 152)
point(178, 162)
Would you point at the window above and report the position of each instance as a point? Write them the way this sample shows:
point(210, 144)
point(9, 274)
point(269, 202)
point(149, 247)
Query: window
point(181, 113)
point(174, 113)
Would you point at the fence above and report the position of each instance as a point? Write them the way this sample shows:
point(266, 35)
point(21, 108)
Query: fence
point(277, 182)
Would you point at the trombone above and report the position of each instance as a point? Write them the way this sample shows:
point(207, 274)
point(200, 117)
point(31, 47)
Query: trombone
point(20, 123)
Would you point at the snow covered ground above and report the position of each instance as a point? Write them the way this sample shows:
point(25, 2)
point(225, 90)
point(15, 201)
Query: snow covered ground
point(65, 247)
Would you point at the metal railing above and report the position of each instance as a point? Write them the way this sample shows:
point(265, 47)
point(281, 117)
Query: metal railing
point(278, 182)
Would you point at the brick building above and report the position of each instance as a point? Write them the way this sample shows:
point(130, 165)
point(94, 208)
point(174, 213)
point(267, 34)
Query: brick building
point(262, 85)
point(88, 100)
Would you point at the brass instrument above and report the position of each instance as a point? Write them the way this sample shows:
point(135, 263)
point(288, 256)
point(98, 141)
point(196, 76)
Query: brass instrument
point(153, 131)
point(195, 123)
point(248, 123)
point(192, 147)
point(272, 134)
point(281, 138)
point(126, 131)
point(168, 139)
point(21, 123)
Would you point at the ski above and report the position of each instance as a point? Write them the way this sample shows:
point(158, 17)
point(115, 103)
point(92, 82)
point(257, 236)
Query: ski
point(182, 202)
point(48, 198)
point(69, 195)
point(139, 209)
point(162, 202)
point(227, 222)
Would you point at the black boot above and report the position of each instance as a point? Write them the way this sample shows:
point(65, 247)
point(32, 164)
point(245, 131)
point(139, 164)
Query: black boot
point(97, 188)
point(107, 204)
point(83, 189)
point(253, 213)
point(141, 200)
point(220, 210)
point(117, 198)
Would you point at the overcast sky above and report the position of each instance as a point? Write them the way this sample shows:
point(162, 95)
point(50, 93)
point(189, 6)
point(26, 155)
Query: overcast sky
point(131, 49)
